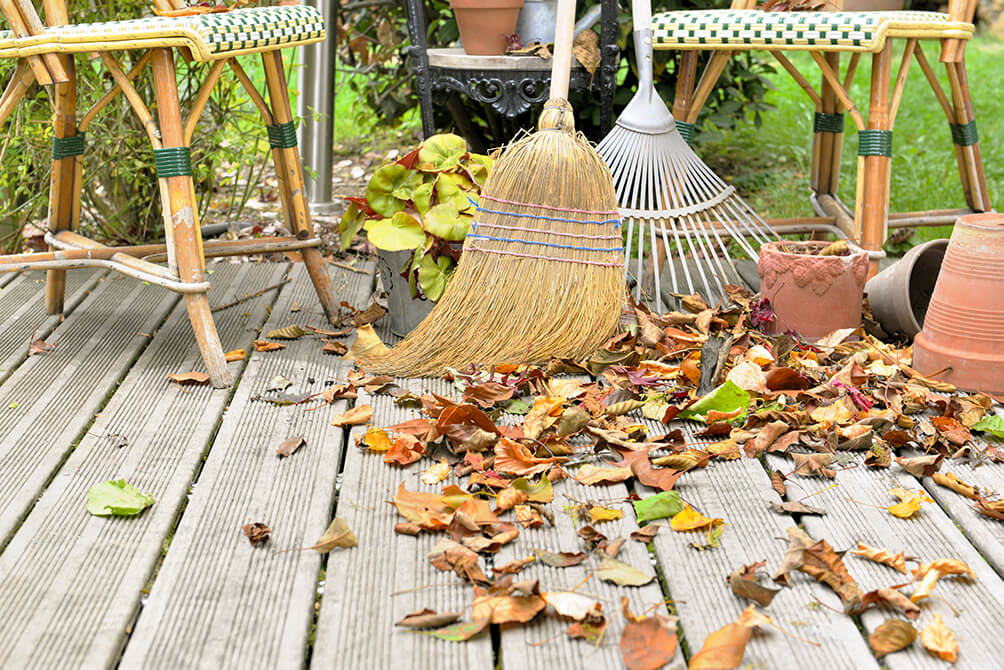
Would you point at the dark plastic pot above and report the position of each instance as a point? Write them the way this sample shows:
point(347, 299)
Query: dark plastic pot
point(484, 24)
point(900, 294)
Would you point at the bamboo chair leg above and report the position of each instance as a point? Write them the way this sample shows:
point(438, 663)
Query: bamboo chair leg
point(970, 159)
point(186, 238)
point(829, 145)
point(872, 204)
point(686, 81)
point(289, 171)
point(63, 186)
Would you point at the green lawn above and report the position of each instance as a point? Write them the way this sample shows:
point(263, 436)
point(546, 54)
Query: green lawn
point(770, 165)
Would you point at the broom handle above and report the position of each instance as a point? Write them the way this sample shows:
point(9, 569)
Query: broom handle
point(561, 62)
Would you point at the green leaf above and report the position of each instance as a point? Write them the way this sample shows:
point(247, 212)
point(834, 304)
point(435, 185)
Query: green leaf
point(458, 632)
point(441, 152)
point(660, 506)
point(726, 398)
point(516, 406)
point(453, 189)
point(390, 186)
point(446, 222)
point(350, 224)
point(541, 492)
point(423, 198)
point(116, 498)
point(398, 233)
point(434, 275)
point(479, 166)
point(991, 423)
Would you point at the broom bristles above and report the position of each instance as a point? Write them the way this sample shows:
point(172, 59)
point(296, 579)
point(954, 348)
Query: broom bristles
point(534, 282)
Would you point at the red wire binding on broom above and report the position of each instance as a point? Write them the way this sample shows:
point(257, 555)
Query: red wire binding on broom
point(547, 232)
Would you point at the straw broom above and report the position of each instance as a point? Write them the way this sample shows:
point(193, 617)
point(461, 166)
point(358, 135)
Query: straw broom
point(542, 272)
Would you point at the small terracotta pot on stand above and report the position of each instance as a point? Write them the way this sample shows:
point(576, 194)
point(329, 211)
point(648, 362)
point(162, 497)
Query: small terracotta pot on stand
point(484, 24)
point(812, 295)
point(964, 327)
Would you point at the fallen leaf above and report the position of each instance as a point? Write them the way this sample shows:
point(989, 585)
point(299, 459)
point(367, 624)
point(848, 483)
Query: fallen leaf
point(338, 534)
point(689, 519)
point(366, 344)
point(573, 605)
point(748, 376)
point(663, 479)
point(809, 465)
point(939, 640)
point(921, 466)
point(292, 332)
point(436, 473)
point(794, 555)
point(662, 505)
point(930, 573)
point(541, 492)
point(257, 533)
point(560, 559)
point(449, 555)
point(117, 498)
point(777, 483)
point(290, 445)
point(724, 649)
point(646, 534)
point(590, 631)
point(795, 507)
point(744, 584)
point(506, 609)
point(825, 565)
point(512, 458)
point(647, 643)
point(278, 383)
point(405, 450)
point(189, 378)
point(891, 598)
point(884, 556)
point(591, 474)
point(377, 440)
point(39, 346)
point(509, 498)
point(427, 618)
point(513, 567)
point(264, 345)
point(460, 632)
point(528, 517)
point(407, 528)
point(235, 355)
point(952, 430)
point(333, 348)
point(428, 510)
point(295, 307)
point(622, 574)
point(488, 394)
point(891, 636)
point(910, 502)
point(598, 514)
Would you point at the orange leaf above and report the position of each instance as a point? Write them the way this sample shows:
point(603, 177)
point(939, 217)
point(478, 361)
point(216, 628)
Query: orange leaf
point(509, 498)
point(884, 556)
point(235, 355)
point(724, 649)
point(891, 636)
point(265, 345)
point(690, 519)
point(647, 643)
point(506, 609)
point(543, 415)
point(427, 510)
point(405, 450)
point(528, 516)
point(377, 440)
point(939, 640)
point(353, 417)
point(512, 458)
point(591, 474)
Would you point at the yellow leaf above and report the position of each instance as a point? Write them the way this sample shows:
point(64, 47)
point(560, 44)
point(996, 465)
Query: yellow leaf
point(367, 344)
point(545, 413)
point(759, 355)
point(884, 556)
point(939, 640)
point(597, 514)
point(835, 413)
point(377, 440)
point(591, 474)
point(930, 573)
point(436, 473)
point(353, 417)
point(910, 502)
point(690, 519)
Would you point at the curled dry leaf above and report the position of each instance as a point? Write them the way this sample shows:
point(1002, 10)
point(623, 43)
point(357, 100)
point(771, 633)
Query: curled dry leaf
point(506, 609)
point(953, 431)
point(663, 479)
point(930, 573)
point(257, 533)
point(573, 605)
point(488, 394)
point(39, 346)
point(743, 583)
point(884, 556)
point(338, 534)
point(777, 483)
point(460, 632)
point(647, 643)
point(939, 640)
point(893, 635)
point(922, 466)
point(622, 574)
point(813, 465)
point(449, 555)
point(910, 502)
point(724, 649)
point(265, 345)
point(235, 355)
point(528, 516)
point(646, 534)
point(891, 598)
point(366, 344)
point(189, 378)
point(509, 498)
point(591, 474)
point(436, 473)
point(377, 440)
point(290, 445)
point(795, 507)
point(512, 458)
point(690, 519)
point(560, 559)
point(292, 332)
point(333, 348)
point(513, 567)
point(591, 631)
point(405, 450)
point(407, 528)
point(426, 618)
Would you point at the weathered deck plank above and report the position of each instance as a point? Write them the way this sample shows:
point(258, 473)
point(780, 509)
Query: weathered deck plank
point(356, 624)
point(70, 603)
point(739, 492)
point(217, 601)
point(51, 398)
point(22, 304)
point(930, 534)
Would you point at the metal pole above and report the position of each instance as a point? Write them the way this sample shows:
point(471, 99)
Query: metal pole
point(316, 106)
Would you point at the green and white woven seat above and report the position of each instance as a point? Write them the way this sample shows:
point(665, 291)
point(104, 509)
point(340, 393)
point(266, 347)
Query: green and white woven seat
point(798, 31)
point(208, 36)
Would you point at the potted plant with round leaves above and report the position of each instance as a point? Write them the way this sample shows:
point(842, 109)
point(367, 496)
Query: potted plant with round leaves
point(417, 212)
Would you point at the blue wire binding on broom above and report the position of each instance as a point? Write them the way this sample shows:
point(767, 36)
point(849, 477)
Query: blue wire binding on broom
point(616, 222)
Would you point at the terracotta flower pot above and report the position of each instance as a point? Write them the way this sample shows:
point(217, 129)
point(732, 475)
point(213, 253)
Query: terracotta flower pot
point(964, 328)
point(484, 24)
point(900, 294)
point(812, 295)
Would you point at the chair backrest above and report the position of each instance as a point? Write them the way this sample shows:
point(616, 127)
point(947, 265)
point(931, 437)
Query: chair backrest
point(958, 10)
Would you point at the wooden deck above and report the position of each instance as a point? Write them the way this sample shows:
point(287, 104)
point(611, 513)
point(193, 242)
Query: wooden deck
point(180, 585)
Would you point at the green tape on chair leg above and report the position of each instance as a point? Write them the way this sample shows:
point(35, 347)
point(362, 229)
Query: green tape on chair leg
point(965, 134)
point(67, 147)
point(686, 130)
point(875, 143)
point(827, 123)
point(173, 162)
point(282, 136)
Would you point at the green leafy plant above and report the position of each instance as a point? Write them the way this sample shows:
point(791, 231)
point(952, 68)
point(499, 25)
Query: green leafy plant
point(422, 202)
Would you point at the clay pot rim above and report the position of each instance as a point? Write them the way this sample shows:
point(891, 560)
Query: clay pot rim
point(814, 245)
point(983, 221)
point(485, 4)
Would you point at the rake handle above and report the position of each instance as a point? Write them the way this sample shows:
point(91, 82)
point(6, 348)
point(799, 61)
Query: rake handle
point(561, 61)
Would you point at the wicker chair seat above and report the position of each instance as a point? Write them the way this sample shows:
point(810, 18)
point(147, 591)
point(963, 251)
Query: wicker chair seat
point(732, 29)
point(208, 36)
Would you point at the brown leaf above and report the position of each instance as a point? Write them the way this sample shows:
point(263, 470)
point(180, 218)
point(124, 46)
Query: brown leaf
point(647, 643)
point(189, 378)
point(823, 563)
point(952, 430)
point(883, 556)
point(660, 478)
point(264, 345)
point(891, 636)
point(921, 466)
point(939, 640)
point(724, 648)
point(891, 598)
point(405, 450)
point(613, 547)
point(257, 533)
point(794, 555)
point(785, 379)
point(744, 584)
point(512, 458)
point(235, 355)
point(513, 567)
point(994, 509)
point(292, 332)
point(449, 555)
point(407, 528)
point(590, 631)
point(777, 482)
point(765, 438)
point(809, 465)
point(506, 609)
point(428, 510)
point(334, 348)
point(426, 618)
point(39, 346)
point(586, 48)
point(353, 417)
point(560, 559)
point(459, 422)
point(646, 534)
point(420, 428)
point(488, 394)
point(795, 507)
point(290, 445)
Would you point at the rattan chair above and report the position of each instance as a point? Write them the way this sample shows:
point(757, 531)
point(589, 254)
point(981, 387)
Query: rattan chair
point(827, 35)
point(45, 55)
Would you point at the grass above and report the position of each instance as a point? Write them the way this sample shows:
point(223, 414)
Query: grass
point(770, 165)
